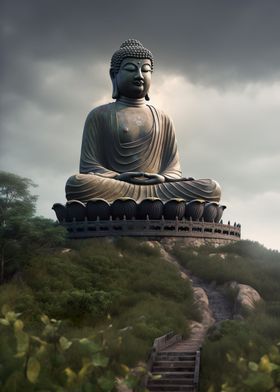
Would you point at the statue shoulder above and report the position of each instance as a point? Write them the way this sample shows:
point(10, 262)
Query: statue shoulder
point(100, 112)
point(162, 116)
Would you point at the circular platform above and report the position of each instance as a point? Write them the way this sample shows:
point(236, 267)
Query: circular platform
point(152, 229)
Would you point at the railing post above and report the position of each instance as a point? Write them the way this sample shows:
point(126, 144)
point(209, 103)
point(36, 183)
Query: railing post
point(196, 370)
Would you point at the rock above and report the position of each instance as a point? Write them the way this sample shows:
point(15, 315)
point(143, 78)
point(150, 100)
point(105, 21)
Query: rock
point(66, 250)
point(201, 300)
point(247, 297)
point(150, 244)
point(221, 255)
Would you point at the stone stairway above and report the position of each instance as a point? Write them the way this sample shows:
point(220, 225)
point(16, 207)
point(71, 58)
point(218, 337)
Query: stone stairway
point(178, 364)
point(177, 370)
point(219, 304)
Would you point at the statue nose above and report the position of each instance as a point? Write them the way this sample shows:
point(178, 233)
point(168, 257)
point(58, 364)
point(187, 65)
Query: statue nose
point(139, 75)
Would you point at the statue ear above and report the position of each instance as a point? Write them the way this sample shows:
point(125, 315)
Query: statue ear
point(115, 94)
point(147, 97)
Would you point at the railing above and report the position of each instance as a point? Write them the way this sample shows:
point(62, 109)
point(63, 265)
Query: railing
point(196, 370)
point(152, 228)
point(160, 344)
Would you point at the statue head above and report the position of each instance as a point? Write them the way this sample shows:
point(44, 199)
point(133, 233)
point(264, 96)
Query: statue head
point(131, 69)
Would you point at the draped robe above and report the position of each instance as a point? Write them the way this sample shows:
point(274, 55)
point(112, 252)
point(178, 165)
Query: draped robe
point(103, 153)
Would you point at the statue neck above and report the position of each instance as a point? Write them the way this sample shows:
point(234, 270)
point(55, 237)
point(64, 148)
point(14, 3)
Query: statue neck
point(136, 102)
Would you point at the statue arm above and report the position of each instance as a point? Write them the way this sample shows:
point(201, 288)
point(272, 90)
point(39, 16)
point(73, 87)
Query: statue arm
point(91, 150)
point(170, 164)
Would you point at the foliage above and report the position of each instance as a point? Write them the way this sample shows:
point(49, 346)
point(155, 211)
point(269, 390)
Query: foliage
point(246, 353)
point(245, 360)
point(84, 281)
point(246, 262)
point(21, 234)
point(50, 361)
point(16, 200)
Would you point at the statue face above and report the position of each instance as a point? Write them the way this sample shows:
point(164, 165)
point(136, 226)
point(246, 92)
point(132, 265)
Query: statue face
point(134, 77)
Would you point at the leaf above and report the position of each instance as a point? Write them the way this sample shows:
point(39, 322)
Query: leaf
point(259, 380)
point(71, 376)
point(4, 322)
point(53, 320)
point(92, 346)
point(106, 383)
point(140, 369)
point(228, 388)
point(131, 381)
point(11, 316)
point(5, 309)
point(156, 377)
point(20, 355)
point(33, 369)
point(253, 366)
point(100, 360)
point(45, 319)
point(264, 365)
point(87, 365)
point(125, 368)
point(18, 325)
point(64, 343)
point(229, 357)
point(22, 341)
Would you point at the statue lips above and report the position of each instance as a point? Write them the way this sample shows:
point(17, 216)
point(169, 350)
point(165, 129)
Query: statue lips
point(139, 83)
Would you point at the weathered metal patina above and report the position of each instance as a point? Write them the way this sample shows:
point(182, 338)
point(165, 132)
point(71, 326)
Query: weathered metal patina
point(129, 148)
point(130, 181)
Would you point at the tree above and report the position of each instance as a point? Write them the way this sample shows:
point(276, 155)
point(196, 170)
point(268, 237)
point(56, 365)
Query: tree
point(16, 200)
point(17, 206)
point(21, 232)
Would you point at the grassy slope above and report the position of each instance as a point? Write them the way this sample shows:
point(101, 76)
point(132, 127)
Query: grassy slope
point(146, 298)
point(230, 347)
point(127, 279)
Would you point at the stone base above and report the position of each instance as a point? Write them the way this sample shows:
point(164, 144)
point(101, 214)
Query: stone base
point(195, 232)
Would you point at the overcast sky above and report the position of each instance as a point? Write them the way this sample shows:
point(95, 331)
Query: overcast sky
point(217, 73)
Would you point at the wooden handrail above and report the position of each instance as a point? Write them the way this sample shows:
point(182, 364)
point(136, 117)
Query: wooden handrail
point(159, 344)
point(196, 370)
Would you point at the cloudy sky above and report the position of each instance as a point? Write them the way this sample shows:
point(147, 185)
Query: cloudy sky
point(217, 73)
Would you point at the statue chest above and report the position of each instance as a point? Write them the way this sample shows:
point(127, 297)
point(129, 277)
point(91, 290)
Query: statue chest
point(133, 124)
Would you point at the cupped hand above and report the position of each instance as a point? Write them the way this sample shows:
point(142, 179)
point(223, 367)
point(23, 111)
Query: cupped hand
point(129, 176)
point(140, 178)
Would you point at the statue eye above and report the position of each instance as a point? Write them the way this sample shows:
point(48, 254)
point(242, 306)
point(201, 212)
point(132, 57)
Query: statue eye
point(146, 68)
point(130, 67)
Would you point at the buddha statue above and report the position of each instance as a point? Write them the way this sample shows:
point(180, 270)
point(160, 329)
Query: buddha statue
point(129, 147)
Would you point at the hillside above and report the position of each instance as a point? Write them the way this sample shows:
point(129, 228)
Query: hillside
point(128, 291)
point(240, 355)
point(85, 282)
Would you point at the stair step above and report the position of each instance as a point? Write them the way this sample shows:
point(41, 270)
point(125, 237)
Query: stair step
point(164, 360)
point(174, 363)
point(187, 353)
point(169, 381)
point(175, 354)
point(168, 368)
point(172, 388)
point(174, 374)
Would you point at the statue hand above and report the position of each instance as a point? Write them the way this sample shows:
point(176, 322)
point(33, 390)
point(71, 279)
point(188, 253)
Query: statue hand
point(129, 176)
point(153, 178)
point(140, 178)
